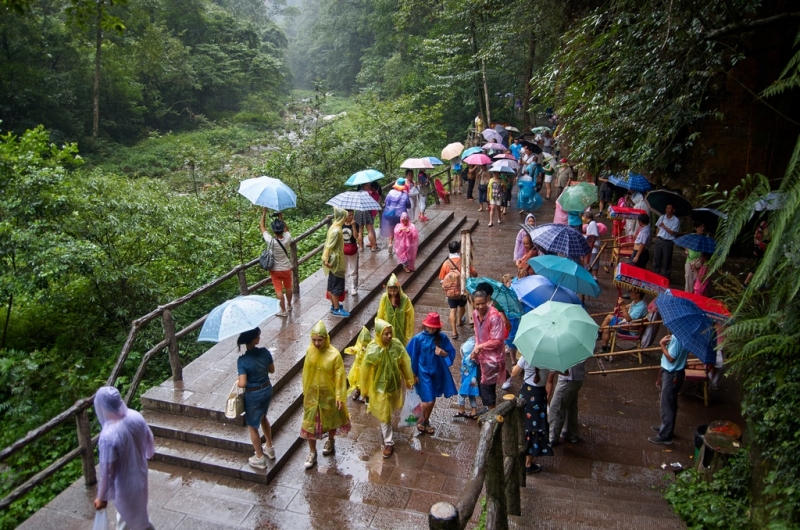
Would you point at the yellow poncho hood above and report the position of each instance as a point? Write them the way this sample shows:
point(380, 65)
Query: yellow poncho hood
point(324, 384)
point(333, 251)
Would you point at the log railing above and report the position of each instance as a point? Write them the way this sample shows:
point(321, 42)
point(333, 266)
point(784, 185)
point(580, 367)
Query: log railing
point(499, 465)
point(79, 410)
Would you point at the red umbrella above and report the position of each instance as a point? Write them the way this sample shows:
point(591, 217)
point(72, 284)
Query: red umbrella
point(477, 160)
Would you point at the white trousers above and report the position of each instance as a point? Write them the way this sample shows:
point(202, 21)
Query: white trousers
point(413, 211)
point(388, 433)
point(351, 273)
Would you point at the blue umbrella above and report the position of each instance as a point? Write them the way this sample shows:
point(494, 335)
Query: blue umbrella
point(471, 151)
point(689, 324)
point(566, 273)
point(560, 239)
point(633, 182)
point(502, 296)
point(235, 316)
point(696, 242)
point(364, 177)
point(268, 192)
point(435, 161)
point(533, 291)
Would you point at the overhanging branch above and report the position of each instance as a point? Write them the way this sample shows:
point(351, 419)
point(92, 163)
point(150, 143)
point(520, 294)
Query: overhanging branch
point(748, 25)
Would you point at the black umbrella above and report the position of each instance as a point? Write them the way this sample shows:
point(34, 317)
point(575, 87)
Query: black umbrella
point(659, 199)
point(532, 146)
point(708, 217)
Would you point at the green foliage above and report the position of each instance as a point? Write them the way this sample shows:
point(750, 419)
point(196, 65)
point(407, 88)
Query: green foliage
point(720, 504)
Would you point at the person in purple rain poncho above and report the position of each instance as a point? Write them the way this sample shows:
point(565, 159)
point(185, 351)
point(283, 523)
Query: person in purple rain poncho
point(431, 354)
point(394, 205)
point(125, 445)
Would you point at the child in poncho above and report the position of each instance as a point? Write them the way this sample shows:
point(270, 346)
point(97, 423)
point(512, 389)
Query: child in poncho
point(396, 309)
point(469, 382)
point(359, 349)
point(385, 372)
point(324, 390)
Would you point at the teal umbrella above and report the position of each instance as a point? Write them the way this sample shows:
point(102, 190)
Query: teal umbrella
point(364, 177)
point(565, 273)
point(578, 197)
point(556, 336)
point(504, 298)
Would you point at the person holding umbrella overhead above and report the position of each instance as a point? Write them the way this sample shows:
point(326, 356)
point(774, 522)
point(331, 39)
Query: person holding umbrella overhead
point(333, 264)
point(281, 273)
point(673, 372)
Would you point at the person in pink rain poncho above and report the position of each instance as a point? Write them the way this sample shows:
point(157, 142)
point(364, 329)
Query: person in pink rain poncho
point(406, 243)
point(489, 352)
point(125, 445)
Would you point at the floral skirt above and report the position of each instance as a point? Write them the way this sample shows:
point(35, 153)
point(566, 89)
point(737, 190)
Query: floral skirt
point(537, 430)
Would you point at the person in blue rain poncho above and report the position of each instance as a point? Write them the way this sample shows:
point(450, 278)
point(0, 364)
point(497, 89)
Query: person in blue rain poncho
point(469, 382)
point(431, 354)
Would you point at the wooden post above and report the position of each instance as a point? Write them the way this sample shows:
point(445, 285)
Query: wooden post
point(295, 267)
point(511, 455)
point(522, 444)
point(87, 450)
point(443, 516)
point(243, 290)
point(172, 345)
point(496, 514)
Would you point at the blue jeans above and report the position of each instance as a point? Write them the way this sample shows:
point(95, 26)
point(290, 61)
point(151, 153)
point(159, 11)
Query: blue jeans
point(473, 401)
point(483, 192)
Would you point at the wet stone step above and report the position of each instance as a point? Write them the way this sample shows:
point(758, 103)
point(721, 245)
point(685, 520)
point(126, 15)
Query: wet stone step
point(649, 506)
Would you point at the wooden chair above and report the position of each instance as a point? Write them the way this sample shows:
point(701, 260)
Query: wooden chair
point(622, 251)
point(697, 374)
point(635, 335)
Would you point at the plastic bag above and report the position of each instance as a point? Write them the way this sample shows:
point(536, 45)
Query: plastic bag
point(412, 409)
point(100, 520)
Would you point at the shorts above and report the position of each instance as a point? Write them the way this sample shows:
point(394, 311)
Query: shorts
point(335, 284)
point(488, 394)
point(606, 194)
point(454, 303)
point(548, 178)
point(281, 281)
point(596, 265)
point(497, 202)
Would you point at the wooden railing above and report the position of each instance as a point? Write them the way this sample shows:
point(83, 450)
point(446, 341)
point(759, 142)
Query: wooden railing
point(79, 410)
point(499, 464)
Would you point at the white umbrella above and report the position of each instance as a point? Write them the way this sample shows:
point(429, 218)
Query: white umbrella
point(452, 151)
point(354, 200)
point(416, 163)
point(235, 316)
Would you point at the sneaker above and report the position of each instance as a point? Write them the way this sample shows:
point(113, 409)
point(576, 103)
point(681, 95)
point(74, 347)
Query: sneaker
point(659, 440)
point(340, 312)
point(289, 308)
point(329, 447)
point(269, 452)
point(311, 461)
point(656, 428)
point(283, 314)
point(533, 468)
point(388, 450)
point(507, 384)
point(258, 463)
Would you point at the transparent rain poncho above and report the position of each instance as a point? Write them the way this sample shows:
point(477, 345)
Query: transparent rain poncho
point(125, 445)
point(385, 374)
point(333, 251)
point(324, 384)
point(359, 349)
point(401, 318)
point(406, 242)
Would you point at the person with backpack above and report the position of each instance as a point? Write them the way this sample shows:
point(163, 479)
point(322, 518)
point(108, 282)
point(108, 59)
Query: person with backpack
point(450, 276)
point(281, 272)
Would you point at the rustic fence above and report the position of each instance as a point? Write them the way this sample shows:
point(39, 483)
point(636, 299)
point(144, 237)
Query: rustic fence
point(499, 465)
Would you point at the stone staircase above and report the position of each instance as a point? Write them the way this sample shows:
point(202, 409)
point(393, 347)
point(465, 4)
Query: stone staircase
point(186, 417)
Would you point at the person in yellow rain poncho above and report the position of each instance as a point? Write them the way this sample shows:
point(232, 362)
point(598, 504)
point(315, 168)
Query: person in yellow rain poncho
point(324, 390)
point(359, 349)
point(396, 309)
point(333, 264)
point(384, 372)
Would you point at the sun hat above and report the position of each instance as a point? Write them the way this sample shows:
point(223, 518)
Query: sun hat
point(432, 321)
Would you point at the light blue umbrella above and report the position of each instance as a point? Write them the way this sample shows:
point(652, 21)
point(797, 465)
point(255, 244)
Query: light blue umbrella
point(268, 192)
point(435, 161)
point(364, 177)
point(471, 151)
point(535, 290)
point(235, 316)
point(566, 273)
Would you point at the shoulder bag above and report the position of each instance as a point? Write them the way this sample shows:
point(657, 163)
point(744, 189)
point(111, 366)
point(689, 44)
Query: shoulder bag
point(234, 406)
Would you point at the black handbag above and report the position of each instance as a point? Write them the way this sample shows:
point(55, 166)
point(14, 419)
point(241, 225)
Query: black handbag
point(267, 258)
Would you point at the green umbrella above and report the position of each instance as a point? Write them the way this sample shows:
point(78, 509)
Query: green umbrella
point(577, 198)
point(556, 336)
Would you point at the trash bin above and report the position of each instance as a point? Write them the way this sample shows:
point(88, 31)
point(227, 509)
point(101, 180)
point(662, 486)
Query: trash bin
point(717, 447)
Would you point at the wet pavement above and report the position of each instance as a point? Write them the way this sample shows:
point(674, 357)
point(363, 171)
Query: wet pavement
point(611, 478)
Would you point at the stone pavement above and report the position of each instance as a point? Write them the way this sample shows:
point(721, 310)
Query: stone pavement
point(610, 479)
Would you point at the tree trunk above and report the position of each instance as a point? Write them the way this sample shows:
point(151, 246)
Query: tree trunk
point(98, 42)
point(483, 111)
point(528, 74)
point(8, 319)
point(486, 95)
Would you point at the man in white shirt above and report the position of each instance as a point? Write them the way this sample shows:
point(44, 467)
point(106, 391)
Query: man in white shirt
point(640, 253)
point(668, 226)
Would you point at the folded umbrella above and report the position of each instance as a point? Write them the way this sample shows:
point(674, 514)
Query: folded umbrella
point(364, 177)
point(235, 316)
point(658, 200)
point(354, 200)
point(698, 243)
point(565, 273)
point(503, 297)
point(452, 151)
point(268, 192)
point(416, 163)
point(477, 159)
point(689, 324)
point(556, 336)
point(560, 239)
point(577, 198)
point(535, 290)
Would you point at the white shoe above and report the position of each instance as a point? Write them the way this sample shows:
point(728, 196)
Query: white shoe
point(258, 463)
point(329, 447)
point(507, 384)
point(269, 452)
point(311, 461)
point(282, 314)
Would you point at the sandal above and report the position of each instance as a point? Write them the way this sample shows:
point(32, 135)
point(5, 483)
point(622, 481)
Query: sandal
point(428, 428)
point(461, 415)
point(471, 416)
point(421, 427)
point(406, 269)
point(454, 336)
